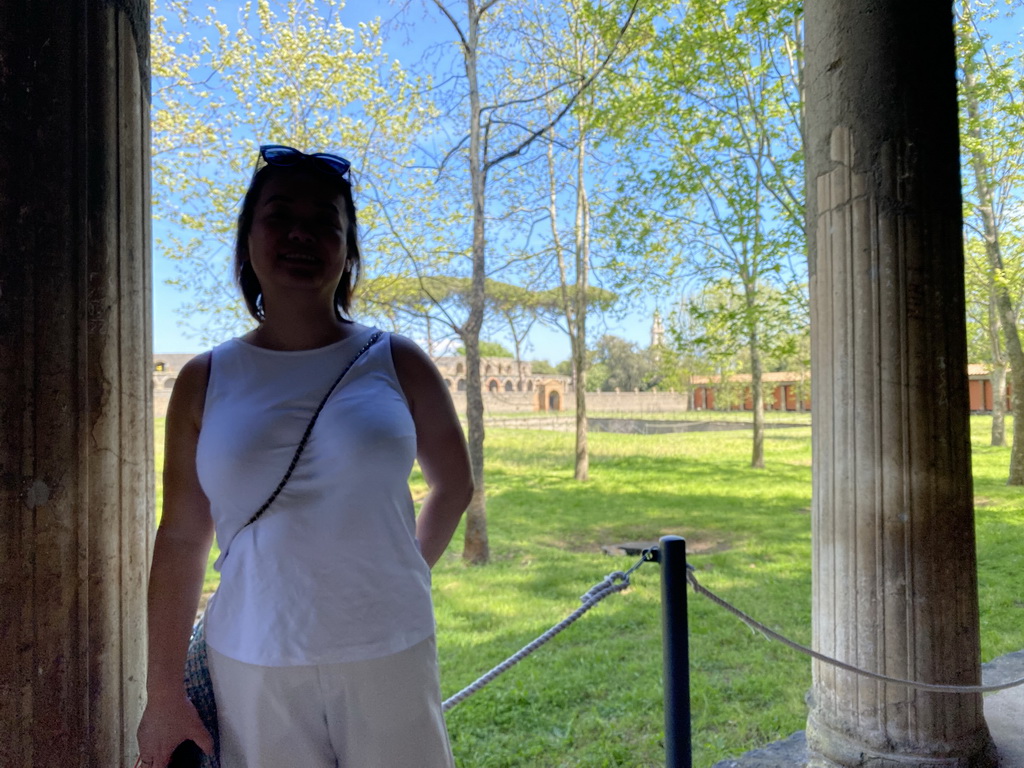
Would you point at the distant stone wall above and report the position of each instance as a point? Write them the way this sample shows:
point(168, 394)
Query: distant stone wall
point(615, 402)
point(634, 402)
point(500, 402)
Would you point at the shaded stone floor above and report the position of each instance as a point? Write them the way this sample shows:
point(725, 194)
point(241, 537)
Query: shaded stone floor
point(1004, 712)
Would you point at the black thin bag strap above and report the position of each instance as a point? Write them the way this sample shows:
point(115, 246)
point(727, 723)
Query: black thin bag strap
point(309, 428)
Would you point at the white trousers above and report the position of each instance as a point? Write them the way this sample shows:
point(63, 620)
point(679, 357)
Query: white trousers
point(380, 713)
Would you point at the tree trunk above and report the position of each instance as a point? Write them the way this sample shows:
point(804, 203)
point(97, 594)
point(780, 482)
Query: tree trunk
point(997, 378)
point(579, 367)
point(756, 377)
point(1004, 302)
point(579, 347)
point(582, 453)
point(476, 548)
point(998, 381)
point(574, 305)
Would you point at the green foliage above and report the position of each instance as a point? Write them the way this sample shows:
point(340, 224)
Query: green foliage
point(488, 349)
point(542, 366)
point(714, 127)
point(423, 295)
point(984, 335)
point(620, 364)
point(597, 377)
point(671, 371)
point(711, 331)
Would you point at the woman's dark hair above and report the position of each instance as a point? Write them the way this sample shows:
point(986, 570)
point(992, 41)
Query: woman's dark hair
point(246, 278)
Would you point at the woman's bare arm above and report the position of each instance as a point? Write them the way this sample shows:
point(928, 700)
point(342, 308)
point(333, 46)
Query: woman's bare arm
point(440, 448)
point(180, 553)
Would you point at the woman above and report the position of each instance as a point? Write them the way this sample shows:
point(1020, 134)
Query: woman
point(321, 635)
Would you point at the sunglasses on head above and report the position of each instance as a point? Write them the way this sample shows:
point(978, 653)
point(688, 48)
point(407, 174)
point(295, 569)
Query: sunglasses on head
point(282, 156)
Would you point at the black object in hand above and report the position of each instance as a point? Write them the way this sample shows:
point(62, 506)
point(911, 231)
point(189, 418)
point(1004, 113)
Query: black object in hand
point(187, 755)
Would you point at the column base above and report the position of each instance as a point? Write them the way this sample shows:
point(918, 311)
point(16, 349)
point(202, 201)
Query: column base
point(829, 747)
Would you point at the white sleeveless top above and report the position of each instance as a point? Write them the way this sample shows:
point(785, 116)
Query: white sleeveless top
point(332, 572)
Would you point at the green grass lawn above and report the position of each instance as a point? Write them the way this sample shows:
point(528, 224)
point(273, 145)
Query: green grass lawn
point(592, 697)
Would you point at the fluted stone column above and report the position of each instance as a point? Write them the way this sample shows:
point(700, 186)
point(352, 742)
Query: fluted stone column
point(76, 453)
point(895, 587)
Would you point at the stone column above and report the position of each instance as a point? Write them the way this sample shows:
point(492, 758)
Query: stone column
point(895, 587)
point(76, 455)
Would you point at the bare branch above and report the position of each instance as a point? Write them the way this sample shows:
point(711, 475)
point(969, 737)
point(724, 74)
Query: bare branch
point(537, 133)
point(455, 24)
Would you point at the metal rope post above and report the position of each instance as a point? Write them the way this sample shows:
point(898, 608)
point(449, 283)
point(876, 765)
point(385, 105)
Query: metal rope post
point(671, 554)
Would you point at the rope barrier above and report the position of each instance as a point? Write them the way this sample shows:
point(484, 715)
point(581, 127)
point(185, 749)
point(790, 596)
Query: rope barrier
point(617, 581)
point(609, 585)
point(772, 635)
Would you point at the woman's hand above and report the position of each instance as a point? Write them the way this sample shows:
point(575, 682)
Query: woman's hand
point(166, 723)
point(180, 553)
